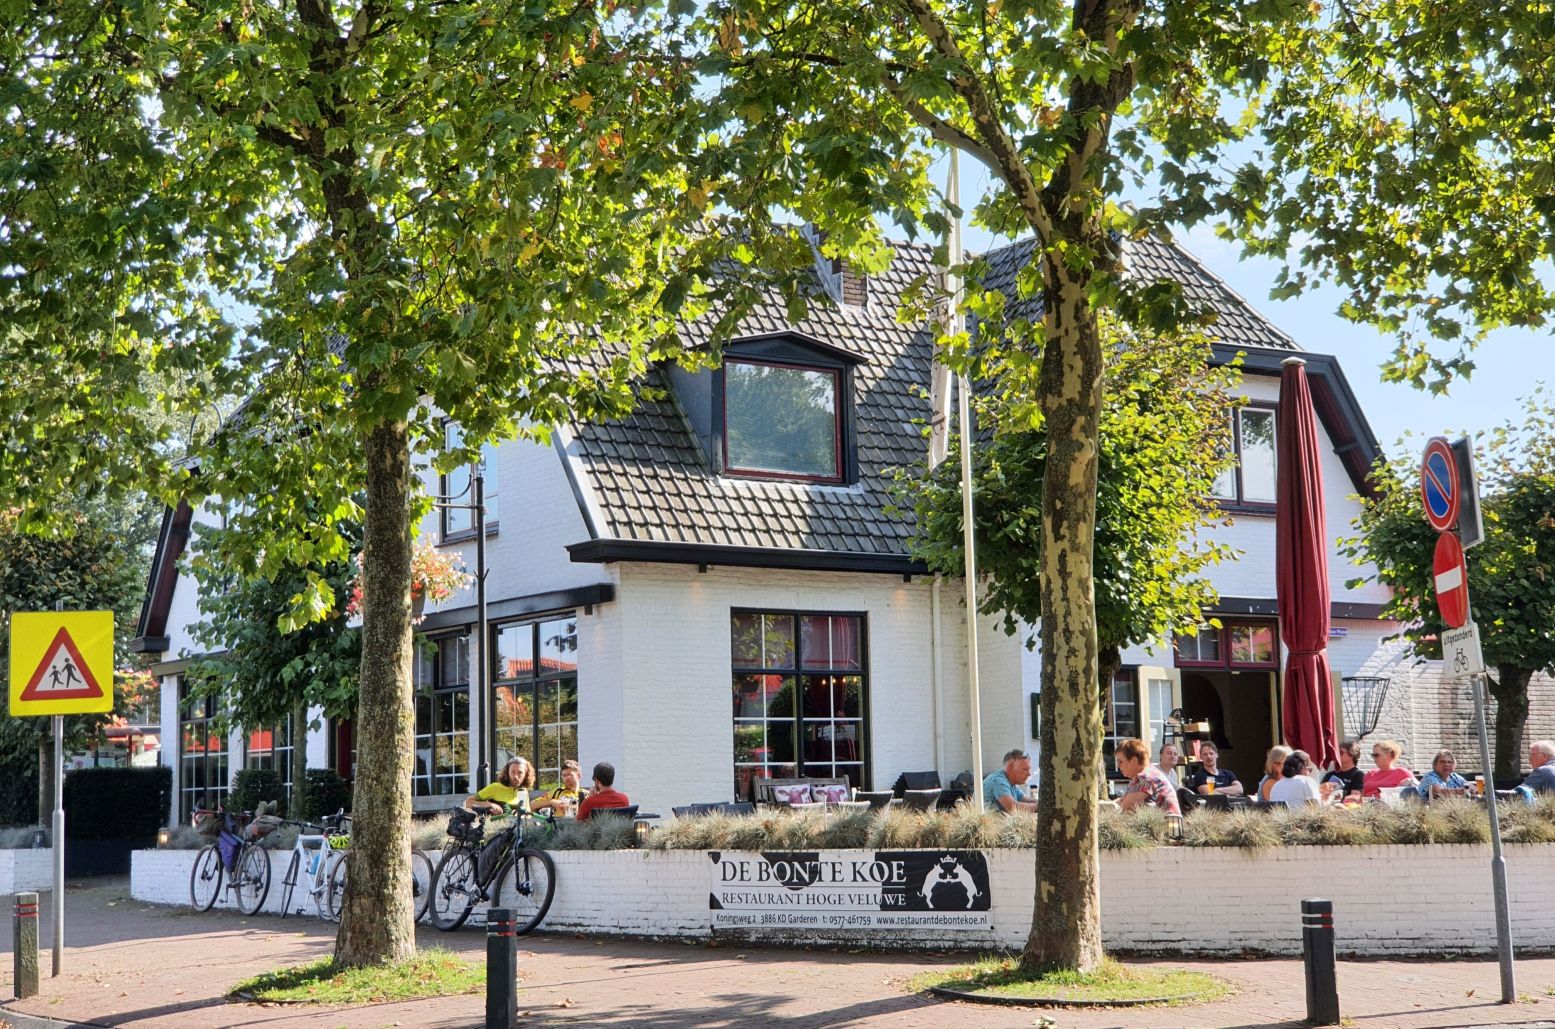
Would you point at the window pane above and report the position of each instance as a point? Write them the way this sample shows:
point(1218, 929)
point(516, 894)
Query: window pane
point(817, 696)
point(780, 696)
point(780, 419)
point(1202, 646)
point(829, 641)
point(1225, 482)
point(1258, 456)
point(515, 651)
point(777, 641)
point(748, 742)
point(453, 654)
point(745, 631)
point(489, 461)
point(558, 646)
point(750, 695)
point(1252, 644)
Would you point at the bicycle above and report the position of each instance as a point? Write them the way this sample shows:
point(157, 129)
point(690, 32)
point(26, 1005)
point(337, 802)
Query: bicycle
point(501, 870)
point(237, 856)
point(316, 843)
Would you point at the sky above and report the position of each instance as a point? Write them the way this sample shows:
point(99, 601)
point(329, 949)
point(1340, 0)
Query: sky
point(1509, 363)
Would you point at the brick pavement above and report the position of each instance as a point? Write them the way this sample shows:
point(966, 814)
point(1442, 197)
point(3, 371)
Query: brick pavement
point(130, 964)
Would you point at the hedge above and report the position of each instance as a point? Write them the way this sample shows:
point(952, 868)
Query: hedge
point(253, 786)
point(19, 793)
point(324, 793)
point(117, 803)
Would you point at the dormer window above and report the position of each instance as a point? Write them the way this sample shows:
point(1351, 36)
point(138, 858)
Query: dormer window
point(782, 421)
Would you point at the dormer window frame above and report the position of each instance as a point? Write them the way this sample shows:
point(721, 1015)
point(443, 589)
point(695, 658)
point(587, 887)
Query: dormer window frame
point(801, 353)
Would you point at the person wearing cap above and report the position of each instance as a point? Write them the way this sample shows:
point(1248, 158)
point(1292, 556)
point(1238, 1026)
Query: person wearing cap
point(1005, 789)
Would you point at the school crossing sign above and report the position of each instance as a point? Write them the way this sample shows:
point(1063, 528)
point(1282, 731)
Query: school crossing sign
point(61, 662)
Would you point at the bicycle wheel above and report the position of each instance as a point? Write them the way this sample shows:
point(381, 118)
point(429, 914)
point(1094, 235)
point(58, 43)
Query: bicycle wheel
point(454, 889)
point(421, 882)
point(527, 884)
point(252, 877)
point(335, 892)
point(289, 882)
point(205, 878)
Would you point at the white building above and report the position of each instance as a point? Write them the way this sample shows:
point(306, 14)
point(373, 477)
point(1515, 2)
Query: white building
point(710, 590)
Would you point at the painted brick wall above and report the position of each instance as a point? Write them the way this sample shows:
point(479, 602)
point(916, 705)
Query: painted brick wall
point(1164, 900)
point(26, 871)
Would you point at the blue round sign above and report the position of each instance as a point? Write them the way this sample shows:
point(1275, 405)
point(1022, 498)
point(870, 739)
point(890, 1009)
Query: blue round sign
point(1439, 485)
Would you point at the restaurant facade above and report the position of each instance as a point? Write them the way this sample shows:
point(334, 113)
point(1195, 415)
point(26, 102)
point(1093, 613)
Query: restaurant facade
point(717, 587)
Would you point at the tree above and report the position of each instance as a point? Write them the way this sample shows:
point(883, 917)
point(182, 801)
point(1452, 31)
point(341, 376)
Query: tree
point(1510, 573)
point(90, 567)
point(1165, 409)
point(269, 667)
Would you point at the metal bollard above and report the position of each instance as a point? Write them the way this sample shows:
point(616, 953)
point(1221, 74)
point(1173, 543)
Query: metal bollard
point(24, 964)
point(1317, 955)
point(501, 969)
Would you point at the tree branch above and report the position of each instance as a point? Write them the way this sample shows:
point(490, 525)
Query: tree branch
point(943, 130)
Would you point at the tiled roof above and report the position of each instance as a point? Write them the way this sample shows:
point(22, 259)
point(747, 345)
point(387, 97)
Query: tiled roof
point(653, 483)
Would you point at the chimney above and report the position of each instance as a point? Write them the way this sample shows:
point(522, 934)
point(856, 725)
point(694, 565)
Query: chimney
point(844, 284)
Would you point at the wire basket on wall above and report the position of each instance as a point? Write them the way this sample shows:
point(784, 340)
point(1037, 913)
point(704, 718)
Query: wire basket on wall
point(1363, 696)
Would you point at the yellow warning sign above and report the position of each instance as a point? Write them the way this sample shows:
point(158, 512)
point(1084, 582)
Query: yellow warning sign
point(61, 662)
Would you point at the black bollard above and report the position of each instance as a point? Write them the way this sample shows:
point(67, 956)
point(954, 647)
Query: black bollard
point(501, 970)
point(1317, 955)
point(24, 963)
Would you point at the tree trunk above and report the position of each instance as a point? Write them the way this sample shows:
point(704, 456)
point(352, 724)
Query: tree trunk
point(376, 923)
point(1066, 924)
point(45, 779)
point(1510, 688)
point(299, 770)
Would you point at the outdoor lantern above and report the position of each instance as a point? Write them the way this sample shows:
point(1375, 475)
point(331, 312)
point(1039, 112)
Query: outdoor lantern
point(640, 830)
point(1174, 827)
point(163, 836)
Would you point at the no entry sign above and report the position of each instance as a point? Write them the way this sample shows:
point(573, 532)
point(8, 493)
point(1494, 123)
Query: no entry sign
point(1439, 486)
point(1452, 581)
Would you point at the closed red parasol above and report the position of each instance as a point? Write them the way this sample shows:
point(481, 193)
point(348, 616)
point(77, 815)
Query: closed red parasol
point(1301, 548)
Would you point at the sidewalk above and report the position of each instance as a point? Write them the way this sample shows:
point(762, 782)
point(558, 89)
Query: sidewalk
point(129, 964)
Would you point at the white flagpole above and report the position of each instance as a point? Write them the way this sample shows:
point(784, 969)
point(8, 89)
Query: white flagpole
point(963, 414)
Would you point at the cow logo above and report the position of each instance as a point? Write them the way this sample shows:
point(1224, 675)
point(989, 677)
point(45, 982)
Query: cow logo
point(948, 886)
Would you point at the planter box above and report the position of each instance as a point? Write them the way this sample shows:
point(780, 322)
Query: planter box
point(26, 871)
point(1388, 900)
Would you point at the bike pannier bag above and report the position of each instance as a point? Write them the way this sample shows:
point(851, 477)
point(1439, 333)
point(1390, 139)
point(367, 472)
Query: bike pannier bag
point(493, 853)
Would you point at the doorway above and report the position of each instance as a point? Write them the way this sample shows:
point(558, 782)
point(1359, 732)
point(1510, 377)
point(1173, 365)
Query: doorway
point(1242, 710)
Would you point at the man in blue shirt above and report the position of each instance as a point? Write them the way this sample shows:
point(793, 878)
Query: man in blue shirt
point(1005, 790)
point(1541, 758)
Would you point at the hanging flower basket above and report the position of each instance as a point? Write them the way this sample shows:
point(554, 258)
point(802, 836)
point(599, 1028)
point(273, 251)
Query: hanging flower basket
point(434, 576)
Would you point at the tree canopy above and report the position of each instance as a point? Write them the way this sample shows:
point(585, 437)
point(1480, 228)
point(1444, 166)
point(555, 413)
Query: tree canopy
point(1510, 572)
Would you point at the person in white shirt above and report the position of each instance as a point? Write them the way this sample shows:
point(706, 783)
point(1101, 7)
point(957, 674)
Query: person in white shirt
point(1295, 787)
point(1168, 763)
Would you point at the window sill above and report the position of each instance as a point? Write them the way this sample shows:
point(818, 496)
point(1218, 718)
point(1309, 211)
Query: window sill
point(465, 535)
point(1264, 510)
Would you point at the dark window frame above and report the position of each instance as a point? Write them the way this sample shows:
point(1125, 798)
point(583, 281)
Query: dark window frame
point(798, 670)
point(736, 471)
point(209, 795)
point(1239, 503)
point(533, 683)
point(1224, 635)
point(432, 691)
point(444, 534)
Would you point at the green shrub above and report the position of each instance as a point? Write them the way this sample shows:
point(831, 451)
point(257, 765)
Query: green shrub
point(19, 793)
point(324, 793)
point(117, 803)
point(254, 786)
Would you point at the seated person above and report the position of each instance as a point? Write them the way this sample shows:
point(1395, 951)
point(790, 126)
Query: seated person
point(1441, 778)
point(1296, 787)
point(1004, 789)
point(1347, 776)
point(1389, 772)
point(1541, 758)
point(1167, 766)
point(1210, 771)
point(1273, 770)
point(1146, 783)
point(564, 798)
point(604, 794)
point(507, 792)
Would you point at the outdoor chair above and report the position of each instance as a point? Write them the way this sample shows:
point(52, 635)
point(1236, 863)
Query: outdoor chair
point(819, 805)
point(851, 806)
point(915, 781)
point(1188, 800)
point(875, 800)
point(694, 810)
point(743, 807)
point(921, 800)
point(629, 812)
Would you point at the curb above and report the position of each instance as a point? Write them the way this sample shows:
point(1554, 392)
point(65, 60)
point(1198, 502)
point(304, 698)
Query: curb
point(1052, 1002)
point(22, 1020)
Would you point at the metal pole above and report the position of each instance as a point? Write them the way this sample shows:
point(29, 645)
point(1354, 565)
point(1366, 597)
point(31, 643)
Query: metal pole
point(58, 900)
point(485, 700)
point(963, 414)
point(501, 969)
point(1317, 958)
point(1497, 858)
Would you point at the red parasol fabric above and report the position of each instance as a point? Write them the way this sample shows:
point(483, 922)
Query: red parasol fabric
point(1301, 549)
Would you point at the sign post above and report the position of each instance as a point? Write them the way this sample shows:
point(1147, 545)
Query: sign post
point(61, 664)
point(1449, 493)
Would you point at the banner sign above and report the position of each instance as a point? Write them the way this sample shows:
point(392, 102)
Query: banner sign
point(925, 890)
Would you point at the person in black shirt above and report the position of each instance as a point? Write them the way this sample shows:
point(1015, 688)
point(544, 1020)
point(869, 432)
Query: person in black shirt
point(1349, 777)
point(1210, 771)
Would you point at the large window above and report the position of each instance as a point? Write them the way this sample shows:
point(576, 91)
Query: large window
point(1251, 480)
point(202, 753)
point(459, 522)
point(537, 694)
point(798, 697)
point(442, 764)
point(782, 421)
point(272, 749)
point(1233, 645)
point(1120, 715)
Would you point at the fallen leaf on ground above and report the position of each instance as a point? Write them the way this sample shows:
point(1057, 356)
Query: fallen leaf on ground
point(567, 1002)
point(1469, 994)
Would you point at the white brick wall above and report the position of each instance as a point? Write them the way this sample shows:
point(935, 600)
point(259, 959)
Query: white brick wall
point(1162, 900)
point(26, 871)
